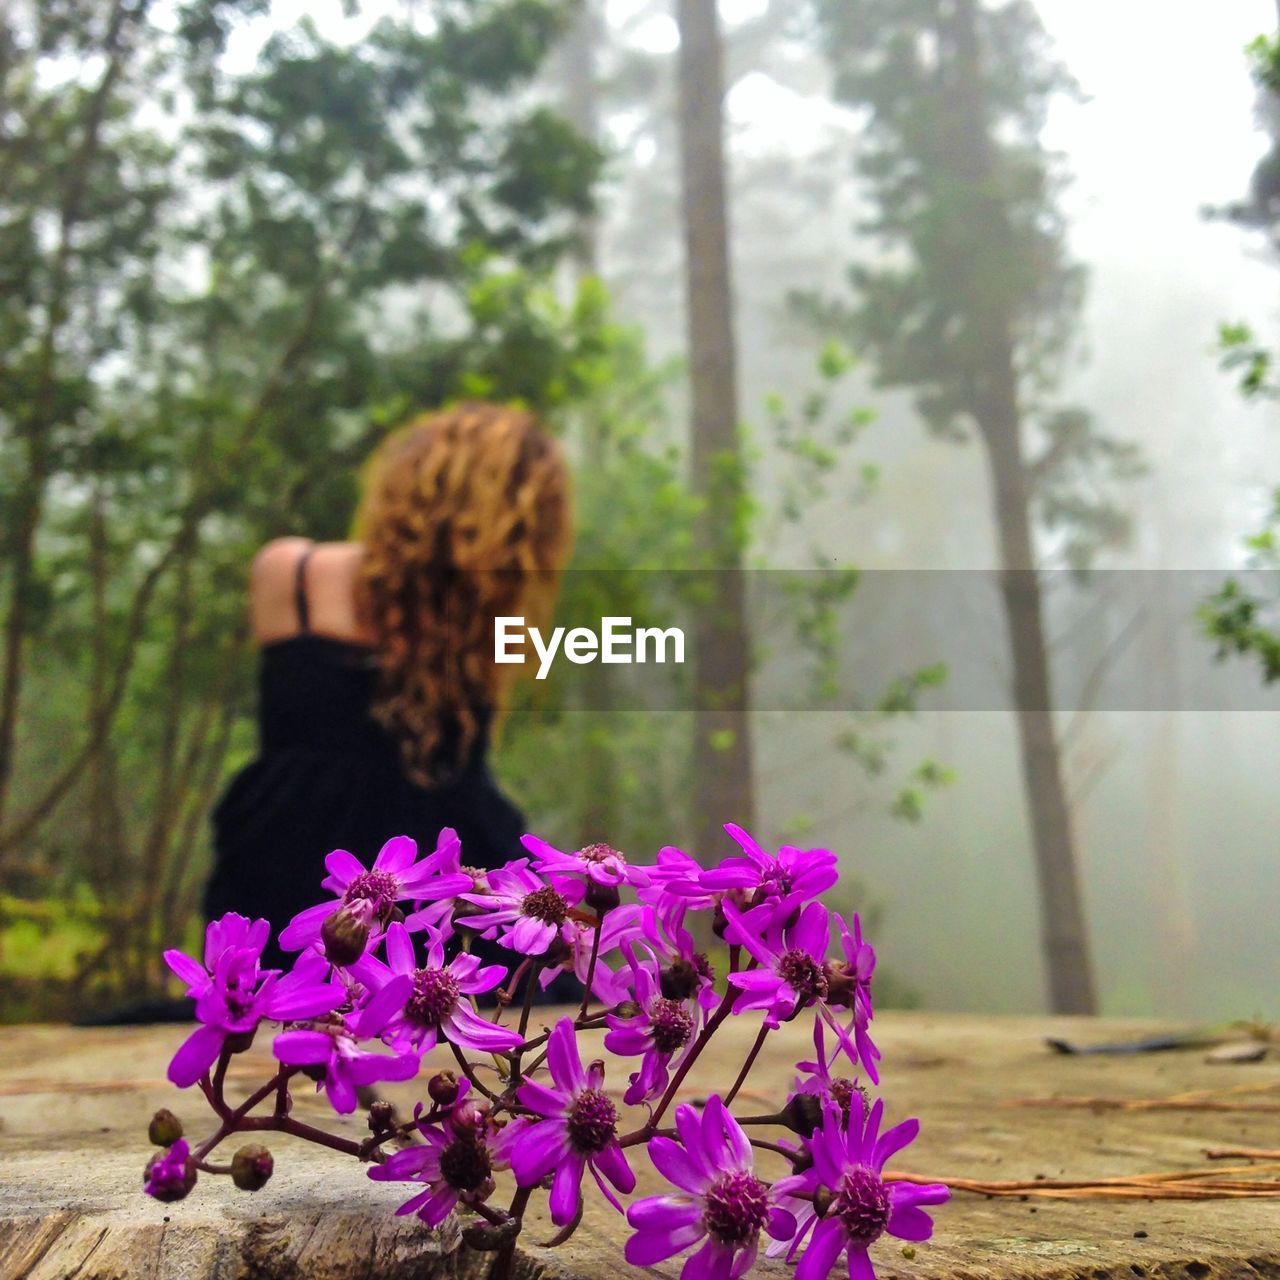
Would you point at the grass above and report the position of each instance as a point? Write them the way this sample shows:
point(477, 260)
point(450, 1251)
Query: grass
point(45, 939)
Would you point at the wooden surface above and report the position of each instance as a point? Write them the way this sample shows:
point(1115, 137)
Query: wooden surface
point(71, 1160)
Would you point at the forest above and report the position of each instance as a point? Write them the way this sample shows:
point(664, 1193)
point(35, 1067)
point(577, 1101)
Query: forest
point(915, 357)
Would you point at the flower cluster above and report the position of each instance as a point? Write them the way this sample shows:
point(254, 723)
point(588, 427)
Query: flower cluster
point(387, 973)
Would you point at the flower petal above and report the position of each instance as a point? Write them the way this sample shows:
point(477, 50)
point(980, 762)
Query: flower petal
point(562, 1056)
point(304, 928)
point(613, 1164)
point(893, 1140)
point(192, 972)
point(531, 937)
point(566, 1189)
point(646, 1248)
point(382, 1007)
point(400, 954)
point(824, 1248)
point(303, 1048)
point(860, 1267)
point(343, 867)
point(396, 855)
point(714, 1261)
point(195, 1056)
point(664, 1213)
point(910, 1222)
point(541, 1147)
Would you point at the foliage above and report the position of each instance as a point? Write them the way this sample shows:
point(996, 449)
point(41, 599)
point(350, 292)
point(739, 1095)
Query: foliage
point(1237, 620)
point(218, 289)
point(973, 258)
point(210, 313)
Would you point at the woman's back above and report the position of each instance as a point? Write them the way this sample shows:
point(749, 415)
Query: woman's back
point(328, 774)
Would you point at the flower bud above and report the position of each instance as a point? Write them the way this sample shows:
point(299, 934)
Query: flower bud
point(442, 1088)
point(803, 1114)
point(252, 1167)
point(682, 978)
point(239, 1041)
point(344, 935)
point(381, 1116)
point(165, 1128)
point(470, 1116)
point(170, 1174)
point(843, 1093)
point(601, 898)
point(719, 921)
point(842, 987)
point(479, 884)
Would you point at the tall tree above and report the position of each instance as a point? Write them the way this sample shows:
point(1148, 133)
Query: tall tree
point(973, 306)
point(1239, 617)
point(722, 756)
point(208, 314)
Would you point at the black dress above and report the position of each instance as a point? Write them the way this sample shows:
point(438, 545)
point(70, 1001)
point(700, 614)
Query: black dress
point(328, 776)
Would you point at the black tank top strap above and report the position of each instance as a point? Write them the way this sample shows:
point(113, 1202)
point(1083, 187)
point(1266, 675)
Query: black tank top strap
point(300, 591)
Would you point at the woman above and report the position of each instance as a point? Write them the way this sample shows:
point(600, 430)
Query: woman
point(378, 693)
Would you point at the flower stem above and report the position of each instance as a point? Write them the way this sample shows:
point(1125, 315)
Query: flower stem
point(501, 1269)
point(591, 969)
point(746, 1066)
point(469, 1071)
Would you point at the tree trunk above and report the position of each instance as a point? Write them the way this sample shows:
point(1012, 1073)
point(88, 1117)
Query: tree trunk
point(599, 809)
point(34, 431)
point(722, 768)
point(997, 408)
point(578, 58)
point(1062, 922)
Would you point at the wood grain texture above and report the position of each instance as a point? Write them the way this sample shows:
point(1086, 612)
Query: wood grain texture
point(74, 1107)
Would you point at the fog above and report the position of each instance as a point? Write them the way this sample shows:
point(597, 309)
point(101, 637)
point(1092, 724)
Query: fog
point(1177, 811)
point(270, 249)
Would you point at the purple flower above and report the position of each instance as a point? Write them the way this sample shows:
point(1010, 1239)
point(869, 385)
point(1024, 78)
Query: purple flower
point(436, 1004)
point(456, 1161)
point(600, 864)
point(662, 1031)
point(367, 899)
point(826, 1087)
point(331, 1055)
point(521, 910)
point(718, 1200)
point(790, 974)
point(578, 1131)
point(170, 1174)
point(233, 931)
point(230, 932)
point(783, 880)
point(847, 1167)
point(850, 985)
point(236, 995)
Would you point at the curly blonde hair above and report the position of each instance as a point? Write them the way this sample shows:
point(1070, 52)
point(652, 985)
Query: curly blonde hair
point(465, 517)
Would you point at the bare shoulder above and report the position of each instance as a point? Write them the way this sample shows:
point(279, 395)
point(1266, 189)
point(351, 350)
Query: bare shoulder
point(272, 606)
point(329, 589)
point(277, 559)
